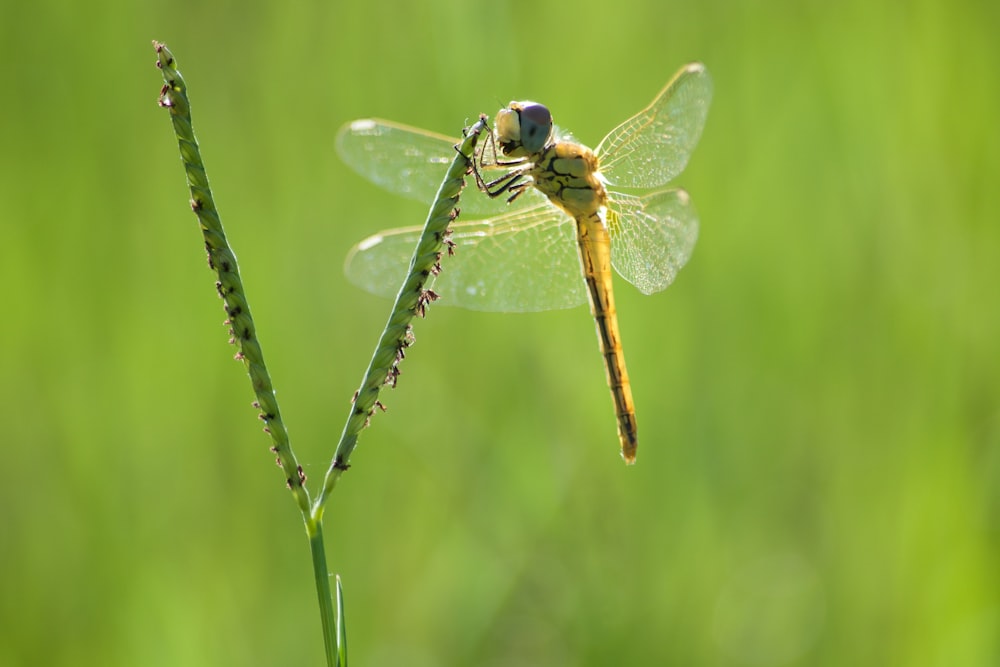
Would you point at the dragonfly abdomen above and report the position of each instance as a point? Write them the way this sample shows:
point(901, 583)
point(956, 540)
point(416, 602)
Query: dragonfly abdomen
point(595, 257)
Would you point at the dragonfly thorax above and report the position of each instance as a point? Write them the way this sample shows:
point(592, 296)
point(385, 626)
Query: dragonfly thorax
point(567, 173)
point(523, 129)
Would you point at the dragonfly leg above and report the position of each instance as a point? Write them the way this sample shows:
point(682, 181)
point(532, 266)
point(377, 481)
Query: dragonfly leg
point(491, 161)
point(517, 190)
point(486, 161)
point(512, 182)
point(499, 186)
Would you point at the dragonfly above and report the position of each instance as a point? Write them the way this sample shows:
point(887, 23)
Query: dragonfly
point(556, 219)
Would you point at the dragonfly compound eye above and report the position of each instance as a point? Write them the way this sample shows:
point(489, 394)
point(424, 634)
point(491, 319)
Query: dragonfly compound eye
point(536, 125)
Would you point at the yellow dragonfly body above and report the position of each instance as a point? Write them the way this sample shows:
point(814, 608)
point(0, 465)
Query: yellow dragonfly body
point(561, 219)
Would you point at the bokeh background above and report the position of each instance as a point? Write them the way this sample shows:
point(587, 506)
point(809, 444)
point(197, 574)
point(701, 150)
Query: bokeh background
point(819, 470)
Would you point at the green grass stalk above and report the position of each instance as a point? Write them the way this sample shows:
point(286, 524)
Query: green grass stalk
point(412, 300)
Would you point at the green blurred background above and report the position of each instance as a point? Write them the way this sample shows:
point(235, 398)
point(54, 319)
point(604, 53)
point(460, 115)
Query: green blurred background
point(819, 472)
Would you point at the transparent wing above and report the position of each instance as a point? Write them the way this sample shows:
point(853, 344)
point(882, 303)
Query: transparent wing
point(651, 148)
point(411, 162)
point(517, 262)
point(651, 236)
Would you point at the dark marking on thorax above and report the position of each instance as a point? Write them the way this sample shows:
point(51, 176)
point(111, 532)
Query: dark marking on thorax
point(567, 174)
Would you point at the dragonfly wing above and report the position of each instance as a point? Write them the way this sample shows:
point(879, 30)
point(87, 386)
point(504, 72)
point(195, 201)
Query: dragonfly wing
point(409, 161)
point(651, 236)
point(651, 148)
point(399, 158)
point(518, 262)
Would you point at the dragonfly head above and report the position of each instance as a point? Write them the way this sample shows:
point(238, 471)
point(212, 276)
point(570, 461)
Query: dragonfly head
point(523, 128)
